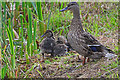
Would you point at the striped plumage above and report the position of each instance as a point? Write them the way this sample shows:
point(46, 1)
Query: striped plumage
point(81, 41)
point(60, 48)
point(48, 43)
point(50, 46)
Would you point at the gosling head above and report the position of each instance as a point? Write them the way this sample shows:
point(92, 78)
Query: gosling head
point(72, 6)
point(61, 40)
point(48, 34)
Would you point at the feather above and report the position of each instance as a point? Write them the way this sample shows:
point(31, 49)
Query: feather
point(81, 41)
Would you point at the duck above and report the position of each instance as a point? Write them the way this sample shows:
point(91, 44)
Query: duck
point(82, 41)
point(48, 43)
point(63, 40)
point(60, 49)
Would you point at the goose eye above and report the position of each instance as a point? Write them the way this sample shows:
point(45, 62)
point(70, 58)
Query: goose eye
point(70, 5)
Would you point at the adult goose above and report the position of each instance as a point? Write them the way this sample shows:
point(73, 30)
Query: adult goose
point(81, 41)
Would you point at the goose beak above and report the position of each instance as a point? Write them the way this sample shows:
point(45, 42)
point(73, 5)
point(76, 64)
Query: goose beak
point(64, 9)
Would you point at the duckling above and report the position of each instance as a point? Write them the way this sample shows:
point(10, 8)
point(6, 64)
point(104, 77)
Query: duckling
point(60, 48)
point(63, 40)
point(81, 41)
point(47, 43)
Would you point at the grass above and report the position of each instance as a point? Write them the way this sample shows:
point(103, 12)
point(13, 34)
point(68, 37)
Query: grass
point(109, 68)
point(31, 19)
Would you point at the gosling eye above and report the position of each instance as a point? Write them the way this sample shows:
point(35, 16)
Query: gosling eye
point(58, 39)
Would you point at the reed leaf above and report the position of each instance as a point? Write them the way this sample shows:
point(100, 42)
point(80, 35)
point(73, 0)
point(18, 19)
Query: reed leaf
point(27, 58)
point(3, 20)
point(30, 25)
point(12, 50)
point(49, 17)
point(33, 4)
point(22, 38)
point(34, 37)
point(40, 17)
point(29, 31)
point(61, 5)
point(23, 8)
point(4, 71)
point(16, 14)
point(0, 36)
point(11, 20)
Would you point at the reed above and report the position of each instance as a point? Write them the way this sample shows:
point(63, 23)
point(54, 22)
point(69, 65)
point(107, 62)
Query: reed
point(22, 37)
point(40, 17)
point(12, 50)
point(0, 39)
point(34, 37)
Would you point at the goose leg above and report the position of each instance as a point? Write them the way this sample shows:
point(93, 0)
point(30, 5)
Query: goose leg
point(52, 55)
point(84, 60)
point(88, 59)
point(79, 59)
point(43, 57)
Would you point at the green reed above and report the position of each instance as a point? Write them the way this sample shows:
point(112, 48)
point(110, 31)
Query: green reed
point(40, 17)
point(12, 49)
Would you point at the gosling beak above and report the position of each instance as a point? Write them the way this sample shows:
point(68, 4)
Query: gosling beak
point(64, 9)
point(43, 35)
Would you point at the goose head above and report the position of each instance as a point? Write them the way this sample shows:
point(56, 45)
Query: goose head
point(71, 6)
point(74, 7)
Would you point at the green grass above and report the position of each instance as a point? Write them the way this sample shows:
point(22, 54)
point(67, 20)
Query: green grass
point(1, 41)
point(110, 67)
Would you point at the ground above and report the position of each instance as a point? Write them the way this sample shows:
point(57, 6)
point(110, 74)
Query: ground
point(70, 66)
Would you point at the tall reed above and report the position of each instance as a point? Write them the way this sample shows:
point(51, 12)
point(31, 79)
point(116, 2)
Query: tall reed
point(50, 27)
point(22, 38)
point(12, 50)
point(34, 37)
point(40, 17)
point(4, 21)
point(0, 37)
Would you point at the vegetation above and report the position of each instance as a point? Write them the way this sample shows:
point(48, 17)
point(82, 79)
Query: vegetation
point(24, 22)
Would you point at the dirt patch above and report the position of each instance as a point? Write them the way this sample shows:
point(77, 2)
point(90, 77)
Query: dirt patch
point(68, 67)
